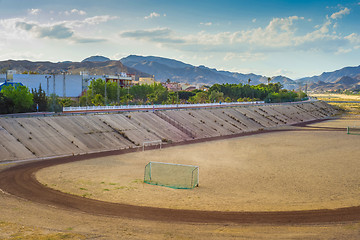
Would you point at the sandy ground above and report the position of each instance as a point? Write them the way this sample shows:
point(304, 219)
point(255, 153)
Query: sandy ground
point(339, 96)
point(20, 219)
point(307, 168)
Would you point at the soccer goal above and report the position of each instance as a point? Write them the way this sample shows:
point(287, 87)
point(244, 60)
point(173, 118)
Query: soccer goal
point(172, 175)
point(151, 143)
point(353, 130)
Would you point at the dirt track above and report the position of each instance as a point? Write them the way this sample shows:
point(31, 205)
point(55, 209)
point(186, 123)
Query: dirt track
point(20, 181)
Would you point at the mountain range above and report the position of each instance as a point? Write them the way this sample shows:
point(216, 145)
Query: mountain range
point(177, 71)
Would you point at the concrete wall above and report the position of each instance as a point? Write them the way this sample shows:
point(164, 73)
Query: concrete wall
point(73, 83)
point(37, 137)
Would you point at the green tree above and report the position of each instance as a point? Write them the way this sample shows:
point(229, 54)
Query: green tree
point(98, 100)
point(66, 102)
point(216, 96)
point(6, 104)
point(21, 97)
point(40, 99)
point(200, 97)
point(54, 103)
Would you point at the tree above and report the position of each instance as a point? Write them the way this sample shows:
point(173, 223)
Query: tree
point(268, 80)
point(98, 100)
point(21, 97)
point(200, 97)
point(54, 103)
point(66, 102)
point(6, 104)
point(40, 99)
point(216, 96)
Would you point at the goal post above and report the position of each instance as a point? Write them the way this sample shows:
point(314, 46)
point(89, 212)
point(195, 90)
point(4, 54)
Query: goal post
point(151, 143)
point(178, 176)
point(353, 130)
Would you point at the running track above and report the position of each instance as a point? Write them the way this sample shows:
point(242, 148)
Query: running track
point(20, 181)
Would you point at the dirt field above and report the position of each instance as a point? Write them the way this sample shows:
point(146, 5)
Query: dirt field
point(307, 168)
point(320, 172)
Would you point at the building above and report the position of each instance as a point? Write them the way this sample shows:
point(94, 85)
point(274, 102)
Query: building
point(124, 79)
point(3, 84)
point(147, 80)
point(172, 86)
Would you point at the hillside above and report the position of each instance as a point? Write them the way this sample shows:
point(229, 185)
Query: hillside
point(164, 68)
point(96, 59)
point(331, 77)
point(95, 68)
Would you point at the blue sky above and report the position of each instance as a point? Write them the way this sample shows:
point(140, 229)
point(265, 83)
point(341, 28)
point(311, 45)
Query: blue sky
point(291, 38)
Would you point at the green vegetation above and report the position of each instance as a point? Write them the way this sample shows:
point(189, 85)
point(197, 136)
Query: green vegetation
point(157, 94)
point(18, 98)
point(15, 99)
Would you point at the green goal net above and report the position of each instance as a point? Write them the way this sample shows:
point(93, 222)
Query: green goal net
point(172, 175)
point(353, 130)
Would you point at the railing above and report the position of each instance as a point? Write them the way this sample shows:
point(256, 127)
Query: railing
point(155, 107)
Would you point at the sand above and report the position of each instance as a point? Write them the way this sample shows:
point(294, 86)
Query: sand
point(306, 168)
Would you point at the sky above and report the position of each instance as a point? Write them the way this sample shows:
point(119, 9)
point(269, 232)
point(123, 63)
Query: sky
point(279, 37)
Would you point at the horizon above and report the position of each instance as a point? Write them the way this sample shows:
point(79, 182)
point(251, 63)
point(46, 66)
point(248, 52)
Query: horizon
point(292, 39)
point(67, 61)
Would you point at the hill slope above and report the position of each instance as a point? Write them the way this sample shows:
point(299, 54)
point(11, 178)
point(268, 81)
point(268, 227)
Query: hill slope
point(96, 68)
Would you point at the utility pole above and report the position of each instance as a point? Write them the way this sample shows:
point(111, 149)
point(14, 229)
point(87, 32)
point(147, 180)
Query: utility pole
point(64, 85)
point(47, 85)
point(118, 88)
point(54, 94)
point(105, 91)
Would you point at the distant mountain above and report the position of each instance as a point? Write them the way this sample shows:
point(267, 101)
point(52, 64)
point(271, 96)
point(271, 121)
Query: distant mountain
point(177, 71)
point(344, 83)
point(95, 68)
point(164, 68)
point(131, 59)
point(333, 76)
point(96, 59)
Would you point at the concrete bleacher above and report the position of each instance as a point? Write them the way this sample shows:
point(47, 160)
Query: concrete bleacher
point(38, 137)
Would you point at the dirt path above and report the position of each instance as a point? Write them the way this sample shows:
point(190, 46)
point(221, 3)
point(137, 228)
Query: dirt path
point(20, 181)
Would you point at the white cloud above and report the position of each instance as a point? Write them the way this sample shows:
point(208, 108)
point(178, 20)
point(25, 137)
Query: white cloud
point(206, 24)
point(75, 11)
point(152, 15)
point(80, 12)
point(340, 13)
point(254, 20)
point(34, 11)
point(98, 19)
point(342, 50)
point(159, 35)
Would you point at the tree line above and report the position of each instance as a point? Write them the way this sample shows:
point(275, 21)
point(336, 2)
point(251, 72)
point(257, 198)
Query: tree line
point(18, 98)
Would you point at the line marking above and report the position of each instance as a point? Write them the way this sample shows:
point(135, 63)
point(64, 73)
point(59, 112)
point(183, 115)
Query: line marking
point(4, 192)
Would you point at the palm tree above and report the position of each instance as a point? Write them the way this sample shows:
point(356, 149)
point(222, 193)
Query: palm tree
point(269, 80)
point(249, 80)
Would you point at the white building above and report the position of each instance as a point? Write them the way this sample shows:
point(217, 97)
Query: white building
point(73, 85)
